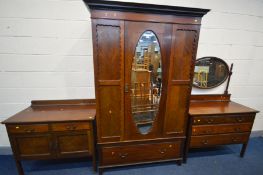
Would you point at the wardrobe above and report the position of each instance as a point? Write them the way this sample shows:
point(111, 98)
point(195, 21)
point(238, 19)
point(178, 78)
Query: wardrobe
point(144, 58)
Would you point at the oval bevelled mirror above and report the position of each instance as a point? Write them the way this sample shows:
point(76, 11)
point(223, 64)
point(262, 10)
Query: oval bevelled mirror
point(146, 81)
point(210, 72)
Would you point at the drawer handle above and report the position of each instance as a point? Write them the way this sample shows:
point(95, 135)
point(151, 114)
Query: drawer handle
point(240, 120)
point(237, 129)
point(235, 139)
point(30, 130)
point(208, 131)
point(72, 127)
point(205, 142)
point(210, 121)
point(123, 155)
point(162, 151)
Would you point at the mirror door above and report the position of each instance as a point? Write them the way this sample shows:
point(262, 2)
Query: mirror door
point(146, 51)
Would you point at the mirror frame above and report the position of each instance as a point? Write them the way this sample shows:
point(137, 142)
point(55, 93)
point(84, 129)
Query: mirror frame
point(222, 61)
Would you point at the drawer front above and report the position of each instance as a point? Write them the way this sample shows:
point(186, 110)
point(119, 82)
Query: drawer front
point(140, 153)
point(219, 139)
point(70, 126)
point(206, 120)
point(221, 129)
point(35, 128)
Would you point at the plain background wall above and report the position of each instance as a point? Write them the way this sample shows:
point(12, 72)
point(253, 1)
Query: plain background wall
point(46, 50)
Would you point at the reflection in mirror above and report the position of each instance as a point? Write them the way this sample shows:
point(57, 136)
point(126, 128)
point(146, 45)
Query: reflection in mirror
point(210, 72)
point(146, 81)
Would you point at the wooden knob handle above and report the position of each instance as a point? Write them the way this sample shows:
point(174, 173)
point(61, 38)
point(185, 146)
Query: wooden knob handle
point(30, 130)
point(123, 155)
point(71, 127)
point(205, 142)
point(162, 151)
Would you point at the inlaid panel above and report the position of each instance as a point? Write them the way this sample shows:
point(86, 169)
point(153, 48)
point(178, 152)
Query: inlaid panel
point(108, 52)
point(184, 45)
point(34, 146)
point(110, 112)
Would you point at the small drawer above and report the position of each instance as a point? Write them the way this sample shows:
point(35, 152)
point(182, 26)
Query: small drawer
point(70, 126)
point(140, 153)
point(217, 119)
point(221, 129)
point(219, 139)
point(26, 128)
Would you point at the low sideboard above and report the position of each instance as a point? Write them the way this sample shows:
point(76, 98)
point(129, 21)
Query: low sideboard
point(52, 129)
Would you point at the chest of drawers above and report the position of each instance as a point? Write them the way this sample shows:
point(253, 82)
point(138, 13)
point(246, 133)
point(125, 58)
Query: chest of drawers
point(52, 130)
point(215, 120)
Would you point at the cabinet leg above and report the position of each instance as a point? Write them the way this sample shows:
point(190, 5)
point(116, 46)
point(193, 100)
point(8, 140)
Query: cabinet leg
point(19, 167)
point(179, 162)
point(100, 171)
point(243, 150)
point(94, 164)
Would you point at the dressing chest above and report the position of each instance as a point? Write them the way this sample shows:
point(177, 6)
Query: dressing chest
point(216, 120)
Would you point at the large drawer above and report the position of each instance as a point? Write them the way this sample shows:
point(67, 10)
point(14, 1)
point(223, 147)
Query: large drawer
point(217, 119)
point(27, 128)
point(140, 153)
point(221, 129)
point(219, 139)
point(70, 126)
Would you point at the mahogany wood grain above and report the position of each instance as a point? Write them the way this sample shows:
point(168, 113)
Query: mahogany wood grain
point(216, 120)
point(154, 18)
point(71, 102)
point(53, 113)
point(183, 55)
point(220, 139)
point(33, 145)
point(221, 129)
point(116, 29)
point(29, 128)
point(70, 126)
point(148, 152)
point(210, 97)
point(218, 107)
point(73, 144)
point(108, 37)
point(53, 129)
point(223, 119)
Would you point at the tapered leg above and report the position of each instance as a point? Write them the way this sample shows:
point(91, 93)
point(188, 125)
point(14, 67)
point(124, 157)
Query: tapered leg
point(100, 171)
point(243, 150)
point(179, 162)
point(188, 139)
point(19, 167)
point(94, 164)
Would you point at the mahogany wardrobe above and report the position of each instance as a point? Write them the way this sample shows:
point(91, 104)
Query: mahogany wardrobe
point(144, 58)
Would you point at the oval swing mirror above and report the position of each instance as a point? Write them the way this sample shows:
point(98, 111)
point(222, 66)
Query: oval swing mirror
point(210, 72)
point(146, 81)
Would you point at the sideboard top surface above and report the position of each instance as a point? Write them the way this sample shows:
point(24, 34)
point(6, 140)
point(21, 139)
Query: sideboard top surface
point(218, 107)
point(55, 111)
point(85, 110)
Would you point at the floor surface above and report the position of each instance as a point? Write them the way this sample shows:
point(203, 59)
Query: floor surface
point(222, 160)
